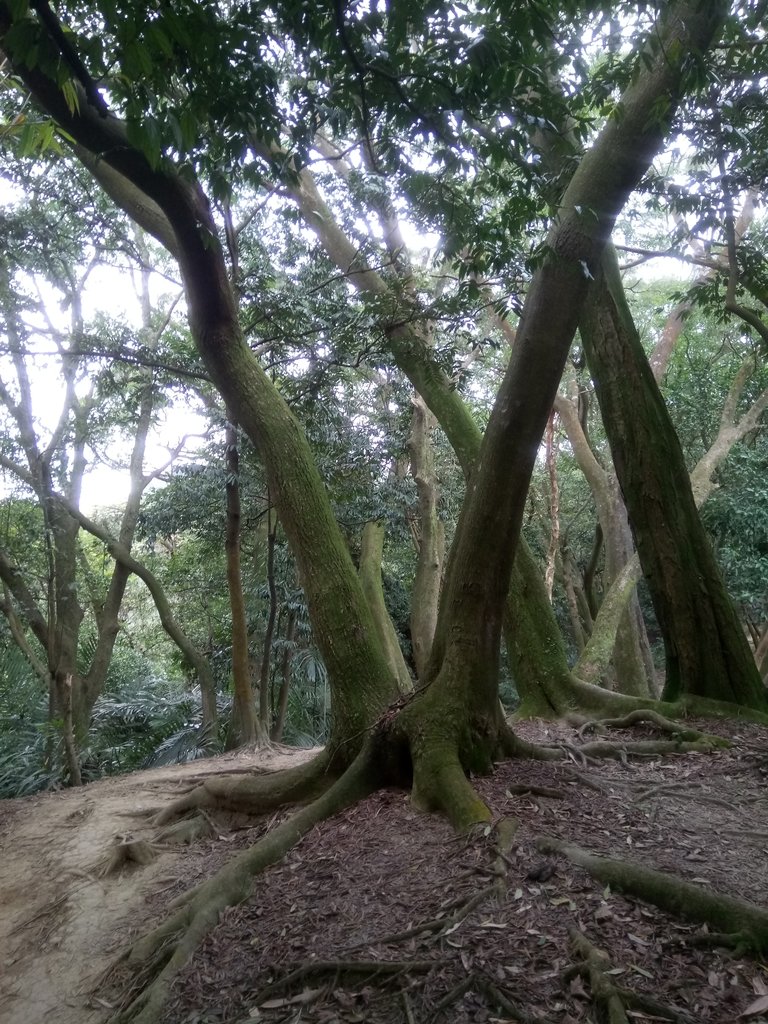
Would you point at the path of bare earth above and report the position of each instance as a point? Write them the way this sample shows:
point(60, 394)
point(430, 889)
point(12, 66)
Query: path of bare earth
point(60, 923)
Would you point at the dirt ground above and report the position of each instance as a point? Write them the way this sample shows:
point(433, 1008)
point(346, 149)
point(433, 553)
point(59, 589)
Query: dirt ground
point(384, 915)
point(60, 923)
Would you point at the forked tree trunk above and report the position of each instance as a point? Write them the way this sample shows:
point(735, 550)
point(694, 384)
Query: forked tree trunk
point(706, 652)
point(542, 657)
point(454, 727)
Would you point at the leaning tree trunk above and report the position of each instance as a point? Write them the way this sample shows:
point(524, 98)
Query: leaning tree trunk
point(454, 726)
point(371, 550)
point(540, 660)
point(706, 652)
point(342, 623)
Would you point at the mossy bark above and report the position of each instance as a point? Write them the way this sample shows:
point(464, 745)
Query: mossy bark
point(706, 651)
point(371, 550)
point(245, 726)
point(630, 653)
point(745, 922)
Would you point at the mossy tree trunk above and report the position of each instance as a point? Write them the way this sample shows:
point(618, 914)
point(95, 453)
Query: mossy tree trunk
point(540, 659)
point(706, 652)
point(246, 726)
point(734, 426)
point(281, 711)
point(455, 726)
point(631, 653)
point(269, 632)
point(342, 622)
point(371, 551)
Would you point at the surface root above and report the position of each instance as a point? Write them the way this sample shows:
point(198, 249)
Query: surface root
point(744, 924)
point(125, 853)
point(157, 958)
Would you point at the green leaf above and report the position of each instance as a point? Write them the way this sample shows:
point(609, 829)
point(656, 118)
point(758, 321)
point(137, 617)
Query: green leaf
point(71, 98)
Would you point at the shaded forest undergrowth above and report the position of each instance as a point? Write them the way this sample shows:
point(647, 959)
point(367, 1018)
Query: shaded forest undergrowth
point(383, 914)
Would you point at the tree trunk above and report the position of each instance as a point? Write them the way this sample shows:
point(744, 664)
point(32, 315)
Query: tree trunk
point(371, 549)
point(706, 652)
point(454, 724)
point(429, 569)
point(629, 654)
point(245, 726)
point(733, 428)
point(269, 632)
point(576, 603)
point(285, 679)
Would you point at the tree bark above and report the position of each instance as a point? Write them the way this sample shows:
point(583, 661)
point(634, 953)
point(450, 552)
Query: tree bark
point(631, 652)
point(706, 652)
point(429, 569)
point(269, 632)
point(285, 679)
point(371, 550)
point(245, 726)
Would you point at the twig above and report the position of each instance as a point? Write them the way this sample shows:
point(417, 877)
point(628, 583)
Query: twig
point(521, 790)
point(407, 1007)
point(368, 968)
point(504, 1003)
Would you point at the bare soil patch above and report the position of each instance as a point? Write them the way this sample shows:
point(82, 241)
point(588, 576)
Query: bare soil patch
point(60, 924)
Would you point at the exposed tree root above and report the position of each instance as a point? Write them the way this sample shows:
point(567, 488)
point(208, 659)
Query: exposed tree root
point(479, 982)
point(578, 700)
point(439, 783)
point(160, 955)
point(745, 924)
point(126, 852)
point(335, 970)
point(645, 748)
point(254, 793)
point(647, 716)
point(523, 790)
point(681, 791)
point(453, 913)
point(619, 751)
point(612, 999)
point(594, 966)
point(188, 830)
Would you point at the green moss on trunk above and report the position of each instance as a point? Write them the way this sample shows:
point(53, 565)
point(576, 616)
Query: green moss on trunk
point(706, 651)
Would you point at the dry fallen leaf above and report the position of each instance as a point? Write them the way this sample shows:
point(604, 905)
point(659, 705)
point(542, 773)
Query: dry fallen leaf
point(759, 1006)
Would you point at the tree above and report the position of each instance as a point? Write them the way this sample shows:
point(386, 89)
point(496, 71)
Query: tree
point(98, 407)
point(452, 726)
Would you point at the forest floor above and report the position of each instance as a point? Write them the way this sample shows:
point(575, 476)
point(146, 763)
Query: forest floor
point(386, 915)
